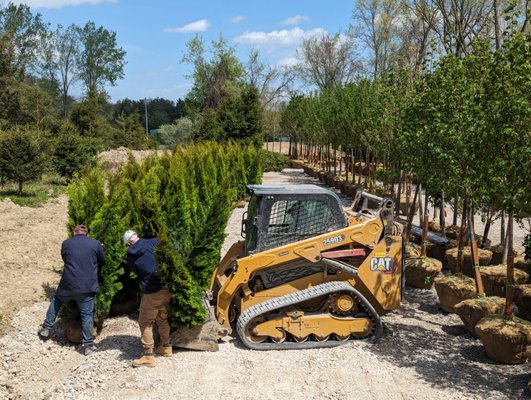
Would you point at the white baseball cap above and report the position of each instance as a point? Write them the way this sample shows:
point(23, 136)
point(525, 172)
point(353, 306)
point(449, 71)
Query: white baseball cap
point(129, 236)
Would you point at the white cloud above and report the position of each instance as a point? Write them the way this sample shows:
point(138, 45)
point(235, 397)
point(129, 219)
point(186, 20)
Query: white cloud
point(296, 20)
point(276, 39)
point(288, 61)
point(59, 3)
point(197, 26)
point(236, 20)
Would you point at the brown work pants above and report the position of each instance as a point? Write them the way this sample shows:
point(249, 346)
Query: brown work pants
point(154, 308)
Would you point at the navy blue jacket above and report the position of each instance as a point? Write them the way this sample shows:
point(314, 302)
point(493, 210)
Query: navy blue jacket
point(82, 257)
point(141, 261)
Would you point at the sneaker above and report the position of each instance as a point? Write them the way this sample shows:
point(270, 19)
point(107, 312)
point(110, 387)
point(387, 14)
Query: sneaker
point(147, 360)
point(90, 349)
point(44, 333)
point(164, 351)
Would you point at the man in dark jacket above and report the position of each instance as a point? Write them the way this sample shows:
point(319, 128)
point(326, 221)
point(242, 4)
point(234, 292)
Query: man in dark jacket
point(155, 298)
point(82, 257)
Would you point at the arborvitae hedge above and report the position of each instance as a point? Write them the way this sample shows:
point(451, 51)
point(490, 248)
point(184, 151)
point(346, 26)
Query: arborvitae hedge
point(184, 199)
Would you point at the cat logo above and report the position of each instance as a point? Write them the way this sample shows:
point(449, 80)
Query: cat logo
point(382, 263)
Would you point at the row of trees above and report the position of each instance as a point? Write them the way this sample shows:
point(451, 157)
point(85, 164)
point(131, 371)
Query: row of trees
point(462, 125)
point(185, 199)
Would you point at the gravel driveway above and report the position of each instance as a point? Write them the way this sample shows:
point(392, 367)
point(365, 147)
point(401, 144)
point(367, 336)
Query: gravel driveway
point(423, 354)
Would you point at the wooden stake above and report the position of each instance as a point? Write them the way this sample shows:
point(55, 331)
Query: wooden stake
point(425, 236)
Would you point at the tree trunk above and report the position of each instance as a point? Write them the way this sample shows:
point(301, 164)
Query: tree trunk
point(474, 251)
point(397, 204)
point(421, 208)
point(335, 161)
point(442, 220)
point(487, 227)
point(510, 268)
point(462, 234)
point(411, 214)
point(20, 182)
point(456, 211)
point(502, 228)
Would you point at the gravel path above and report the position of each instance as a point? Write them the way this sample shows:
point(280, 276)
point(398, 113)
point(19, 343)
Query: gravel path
point(423, 355)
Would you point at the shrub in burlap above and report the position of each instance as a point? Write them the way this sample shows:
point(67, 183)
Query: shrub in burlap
point(421, 271)
point(74, 334)
point(522, 299)
point(495, 278)
point(453, 289)
point(339, 181)
point(298, 164)
point(468, 269)
point(471, 311)
point(329, 178)
point(506, 339)
point(412, 250)
point(524, 265)
point(497, 253)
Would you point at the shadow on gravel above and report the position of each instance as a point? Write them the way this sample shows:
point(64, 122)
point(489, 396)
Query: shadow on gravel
point(439, 348)
point(450, 362)
point(128, 345)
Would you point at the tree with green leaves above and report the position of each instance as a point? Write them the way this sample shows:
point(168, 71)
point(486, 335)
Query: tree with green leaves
point(71, 151)
point(102, 61)
point(21, 157)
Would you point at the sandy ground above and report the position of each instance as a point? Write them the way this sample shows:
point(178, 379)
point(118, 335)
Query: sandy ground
point(423, 354)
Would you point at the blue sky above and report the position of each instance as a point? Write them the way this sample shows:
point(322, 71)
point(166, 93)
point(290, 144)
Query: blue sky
point(154, 33)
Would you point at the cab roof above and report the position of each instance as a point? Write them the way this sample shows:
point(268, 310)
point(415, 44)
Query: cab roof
point(266, 190)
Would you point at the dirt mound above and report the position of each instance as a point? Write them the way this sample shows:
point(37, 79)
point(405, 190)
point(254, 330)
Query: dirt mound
point(112, 159)
point(413, 250)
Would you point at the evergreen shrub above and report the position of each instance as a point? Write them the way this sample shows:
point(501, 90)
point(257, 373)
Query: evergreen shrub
point(184, 199)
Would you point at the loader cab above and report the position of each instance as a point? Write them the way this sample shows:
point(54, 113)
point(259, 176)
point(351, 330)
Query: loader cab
point(282, 214)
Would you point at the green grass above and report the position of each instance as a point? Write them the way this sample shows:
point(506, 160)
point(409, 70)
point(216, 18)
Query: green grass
point(34, 193)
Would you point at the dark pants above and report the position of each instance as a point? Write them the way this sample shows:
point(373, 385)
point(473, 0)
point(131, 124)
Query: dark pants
point(85, 303)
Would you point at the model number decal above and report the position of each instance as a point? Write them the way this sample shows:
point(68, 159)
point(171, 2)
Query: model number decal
point(384, 264)
point(333, 240)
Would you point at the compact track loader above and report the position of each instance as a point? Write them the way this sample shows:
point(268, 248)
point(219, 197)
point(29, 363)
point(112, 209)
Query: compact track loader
point(308, 274)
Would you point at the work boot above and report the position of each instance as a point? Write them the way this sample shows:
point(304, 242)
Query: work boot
point(90, 349)
point(164, 350)
point(147, 360)
point(44, 333)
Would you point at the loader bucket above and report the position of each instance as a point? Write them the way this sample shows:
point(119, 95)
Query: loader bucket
point(203, 337)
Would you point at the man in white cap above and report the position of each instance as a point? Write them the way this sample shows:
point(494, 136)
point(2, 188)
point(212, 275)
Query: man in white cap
point(155, 298)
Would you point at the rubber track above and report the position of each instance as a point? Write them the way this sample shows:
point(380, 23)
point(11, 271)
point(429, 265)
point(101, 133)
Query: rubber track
point(302, 295)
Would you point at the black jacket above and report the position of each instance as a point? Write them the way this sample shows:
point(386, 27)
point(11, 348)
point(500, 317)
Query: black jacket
point(82, 257)
point(141, 261)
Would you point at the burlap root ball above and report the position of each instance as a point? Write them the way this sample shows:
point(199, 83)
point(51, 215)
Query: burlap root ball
point(454, 289)
point(74, 334)
point(522, 299)
point(497, 253)
point(506, 339)
point(412, 250)
point(451, 259)
point(421, 271)
point(495, 278)
point(471, 311)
